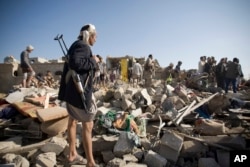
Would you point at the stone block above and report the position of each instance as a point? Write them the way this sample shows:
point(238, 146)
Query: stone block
point(118, 93)
point(168, 153)
point(223, 157)
point(107, 156)
point(46, 159)
point(55, 127)
point(126, 104)
point(136, 112)
point(152, 159)
point(170, 146)
point(104, 143)
point(207, 162)
point(116, 103)
point(235, 142)
point(116, 162)
point(172, 140)
point(51, 113)
point(131, 91)
point(132, 164)
point(123, 146)
point(8, 165)
point(129, 158)
point(192, 148)
point(56, 145)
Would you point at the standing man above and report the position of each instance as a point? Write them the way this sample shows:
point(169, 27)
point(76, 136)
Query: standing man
point(240, 76)
point(137, 72)
point(220, 73)
point(102, 68)
point(231, 75)
point(201, 64)
point(28, 72)
point(168, 74)
point(178, 67)
point(177, 70)
point(148, 70)
point(97, 80)
point(81, 63)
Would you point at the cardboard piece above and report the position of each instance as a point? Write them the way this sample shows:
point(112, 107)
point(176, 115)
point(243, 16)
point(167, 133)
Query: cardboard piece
point(26, 108)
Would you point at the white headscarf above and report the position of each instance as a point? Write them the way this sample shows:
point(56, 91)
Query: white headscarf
point(86, 31)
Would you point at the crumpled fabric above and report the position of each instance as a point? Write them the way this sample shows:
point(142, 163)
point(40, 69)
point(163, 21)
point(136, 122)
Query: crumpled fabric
point(8, 112)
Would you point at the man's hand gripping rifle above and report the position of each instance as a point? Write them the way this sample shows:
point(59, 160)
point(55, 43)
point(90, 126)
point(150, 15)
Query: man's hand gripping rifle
point(75, 76)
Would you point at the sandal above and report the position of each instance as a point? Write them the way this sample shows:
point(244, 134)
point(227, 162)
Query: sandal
point(79, 160)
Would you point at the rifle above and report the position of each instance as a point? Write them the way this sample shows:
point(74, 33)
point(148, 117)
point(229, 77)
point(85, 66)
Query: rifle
point(75, 76)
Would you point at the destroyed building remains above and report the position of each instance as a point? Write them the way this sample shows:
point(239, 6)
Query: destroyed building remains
point(181, 122)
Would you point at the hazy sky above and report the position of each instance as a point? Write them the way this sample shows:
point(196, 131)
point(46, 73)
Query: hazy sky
point(171, 30)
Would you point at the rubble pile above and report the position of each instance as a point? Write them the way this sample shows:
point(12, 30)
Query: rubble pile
point(167, 124)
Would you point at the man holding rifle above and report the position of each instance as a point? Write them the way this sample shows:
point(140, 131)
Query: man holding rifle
point(78, 74)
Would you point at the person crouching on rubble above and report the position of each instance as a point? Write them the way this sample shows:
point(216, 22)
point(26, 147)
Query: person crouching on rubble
point(124, 121)
point(84, 63)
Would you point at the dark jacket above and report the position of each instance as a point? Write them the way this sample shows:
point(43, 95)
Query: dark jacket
point(81, 61)
point(232, 70)
point(220, 70)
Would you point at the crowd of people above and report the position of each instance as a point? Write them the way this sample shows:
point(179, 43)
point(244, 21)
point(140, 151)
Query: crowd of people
point(226, 73)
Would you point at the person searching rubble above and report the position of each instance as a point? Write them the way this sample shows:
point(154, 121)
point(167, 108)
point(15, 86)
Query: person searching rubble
point(81, 106)
point(124, 121)
point(28, 72)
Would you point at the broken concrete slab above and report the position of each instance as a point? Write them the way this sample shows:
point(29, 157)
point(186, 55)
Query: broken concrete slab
point(210, 127)
point(170, 146)
point(207, 162)
point(107, 156)
point(16, 96)
point(55, 127)
point(123, 146)
point(223, 157)
point(104, 143)
point(52, 113)
point(46, 159)
point(234, 142)
point(116, 162)
point(17, 160)
point(10, 143)
point(56, 144)
point(192, 147)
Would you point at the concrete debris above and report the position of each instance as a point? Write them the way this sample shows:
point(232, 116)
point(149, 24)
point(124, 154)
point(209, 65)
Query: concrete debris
point(168, 124)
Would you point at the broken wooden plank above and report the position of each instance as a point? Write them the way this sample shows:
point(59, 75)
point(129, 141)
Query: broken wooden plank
point(178, 115)
point(185, 113)
point(203, 101)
